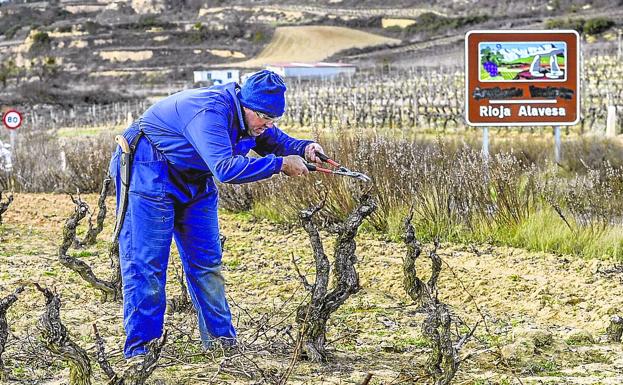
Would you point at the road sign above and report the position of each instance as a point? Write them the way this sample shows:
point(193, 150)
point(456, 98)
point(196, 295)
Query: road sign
point(12, 119)
point(522, 78)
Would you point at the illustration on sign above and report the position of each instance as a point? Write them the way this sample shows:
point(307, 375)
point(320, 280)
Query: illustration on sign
point(522, 61)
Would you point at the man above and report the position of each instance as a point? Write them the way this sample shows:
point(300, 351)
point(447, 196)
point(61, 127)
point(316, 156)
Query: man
point(180, 145)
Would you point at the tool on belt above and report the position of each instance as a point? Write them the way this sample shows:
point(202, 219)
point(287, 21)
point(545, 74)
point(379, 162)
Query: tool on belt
point(339, 169)
point(125, 166)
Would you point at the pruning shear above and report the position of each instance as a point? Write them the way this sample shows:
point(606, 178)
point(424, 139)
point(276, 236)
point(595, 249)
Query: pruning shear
point(339, 169)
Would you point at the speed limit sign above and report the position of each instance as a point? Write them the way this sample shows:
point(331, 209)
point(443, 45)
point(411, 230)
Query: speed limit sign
point(12, 119)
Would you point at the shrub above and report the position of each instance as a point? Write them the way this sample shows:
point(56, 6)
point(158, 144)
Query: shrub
point(91, 27)
point(41, 42)
point(150, 21)
point(10, 33)
point(597, 25)
point(42, 163)
point(576, 24)
point(54, 92)
point(65, 28)
point(591, 26)
point(456, 196)
point(259, 37)
point(432, 22)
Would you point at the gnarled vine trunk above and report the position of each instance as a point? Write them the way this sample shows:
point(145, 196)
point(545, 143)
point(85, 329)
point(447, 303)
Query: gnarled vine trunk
point(57, 340)
point(91, 237)
point(443, 362)
point(5, 304)
point(4, 206)
point(135, 374)
point(111, 289)
point(313, 316)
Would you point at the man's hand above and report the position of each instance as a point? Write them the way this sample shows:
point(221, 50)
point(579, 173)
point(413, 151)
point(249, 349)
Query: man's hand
point(293, 165)
point(310, 152)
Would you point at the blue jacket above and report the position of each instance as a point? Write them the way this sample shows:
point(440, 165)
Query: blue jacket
point(202, 132)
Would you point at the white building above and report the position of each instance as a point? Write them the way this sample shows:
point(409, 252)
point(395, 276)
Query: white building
point(217, 76)
point(312, 70)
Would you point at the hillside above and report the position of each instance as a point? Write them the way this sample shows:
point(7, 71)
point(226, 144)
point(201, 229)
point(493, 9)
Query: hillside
point(101, 51)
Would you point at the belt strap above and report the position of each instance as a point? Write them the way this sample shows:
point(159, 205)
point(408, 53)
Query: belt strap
point(125, 168)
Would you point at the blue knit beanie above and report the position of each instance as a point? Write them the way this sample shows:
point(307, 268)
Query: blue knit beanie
point(264, 92)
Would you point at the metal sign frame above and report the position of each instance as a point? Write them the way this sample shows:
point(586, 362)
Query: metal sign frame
point(546, 95)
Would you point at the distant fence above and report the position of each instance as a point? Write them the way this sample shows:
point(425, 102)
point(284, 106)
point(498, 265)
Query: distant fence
point(51, 117)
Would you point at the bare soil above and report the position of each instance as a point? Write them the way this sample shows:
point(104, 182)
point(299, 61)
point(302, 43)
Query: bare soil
point(312, 44)
point(545, 314)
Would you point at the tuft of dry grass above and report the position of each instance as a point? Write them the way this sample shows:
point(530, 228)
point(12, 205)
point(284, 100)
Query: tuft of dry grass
point(456, 194)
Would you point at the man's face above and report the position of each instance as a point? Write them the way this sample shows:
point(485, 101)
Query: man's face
point(255, 124)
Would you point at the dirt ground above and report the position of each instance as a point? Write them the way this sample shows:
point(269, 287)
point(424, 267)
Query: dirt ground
point(312, 44)
point(544, 315)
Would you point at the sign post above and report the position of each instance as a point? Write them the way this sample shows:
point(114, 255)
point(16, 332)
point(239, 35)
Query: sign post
point(557, 145)
point(522, 78)
point(485, 144)
point(12, 120)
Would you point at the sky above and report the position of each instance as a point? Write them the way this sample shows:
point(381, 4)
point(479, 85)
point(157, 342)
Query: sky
point(514, 45)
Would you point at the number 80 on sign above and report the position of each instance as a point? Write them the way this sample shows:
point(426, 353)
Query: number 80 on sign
point(12, 119)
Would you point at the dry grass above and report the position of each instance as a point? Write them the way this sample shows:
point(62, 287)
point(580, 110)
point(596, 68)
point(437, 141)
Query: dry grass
point(455, 195)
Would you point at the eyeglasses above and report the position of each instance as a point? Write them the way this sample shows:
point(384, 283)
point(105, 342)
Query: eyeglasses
point(267, 117)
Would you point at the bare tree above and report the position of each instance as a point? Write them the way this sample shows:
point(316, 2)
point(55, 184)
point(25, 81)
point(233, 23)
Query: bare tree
point(313, 316)
point(58, 341)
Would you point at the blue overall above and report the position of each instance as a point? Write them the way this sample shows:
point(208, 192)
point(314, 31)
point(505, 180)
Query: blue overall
point(189, 138)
